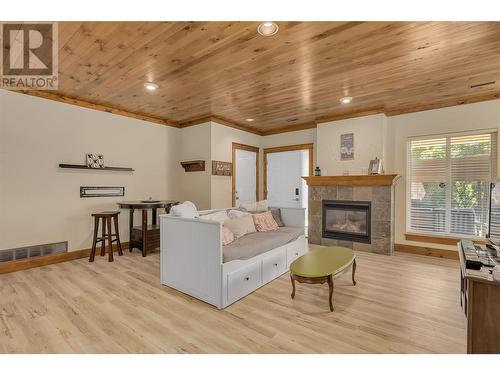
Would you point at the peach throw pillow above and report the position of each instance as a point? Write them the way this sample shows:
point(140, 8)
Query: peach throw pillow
point(264, 222)
point(228, 236)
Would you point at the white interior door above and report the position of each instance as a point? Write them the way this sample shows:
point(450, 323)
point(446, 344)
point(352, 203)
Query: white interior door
point(245, 176)
point(285, 185)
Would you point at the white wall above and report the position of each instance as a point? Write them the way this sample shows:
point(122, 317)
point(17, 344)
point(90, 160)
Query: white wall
point(370, 134)
point(40, 202)
point(477, 116)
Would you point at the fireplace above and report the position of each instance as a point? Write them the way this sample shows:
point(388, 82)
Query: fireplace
point(347, 220)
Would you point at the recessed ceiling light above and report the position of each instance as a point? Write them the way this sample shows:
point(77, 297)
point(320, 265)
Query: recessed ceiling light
point(346, 99)
point(151, 86)
point(267, 28)
point(249, 119)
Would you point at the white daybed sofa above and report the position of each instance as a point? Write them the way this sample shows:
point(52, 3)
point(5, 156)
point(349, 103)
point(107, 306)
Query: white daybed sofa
point(192, 256)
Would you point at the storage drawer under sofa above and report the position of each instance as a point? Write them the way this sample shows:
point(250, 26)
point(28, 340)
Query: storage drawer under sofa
point(243, 281)
point(273, 265)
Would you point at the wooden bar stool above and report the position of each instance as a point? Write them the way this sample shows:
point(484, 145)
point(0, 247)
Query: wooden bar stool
point(106, 217)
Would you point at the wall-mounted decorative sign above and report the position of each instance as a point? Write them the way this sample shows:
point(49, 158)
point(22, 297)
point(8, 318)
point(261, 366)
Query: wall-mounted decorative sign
point(222, 168)
point(95, 160)
point(101, 191)
point(347, 146)
point(193, 165)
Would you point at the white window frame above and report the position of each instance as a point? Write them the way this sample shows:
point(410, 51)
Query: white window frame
point(446, 234)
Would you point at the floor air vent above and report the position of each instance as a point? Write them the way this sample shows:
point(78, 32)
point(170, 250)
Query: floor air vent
point(27, 252)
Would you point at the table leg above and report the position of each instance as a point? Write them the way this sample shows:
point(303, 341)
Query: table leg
point(94, 242)
point(353, 272)
point(293, 286)
point(130, 226)
point(330, 285)
point(110, 240)
point(103, 243)
point(154, 216)
point(117, 232)
point(144, 230)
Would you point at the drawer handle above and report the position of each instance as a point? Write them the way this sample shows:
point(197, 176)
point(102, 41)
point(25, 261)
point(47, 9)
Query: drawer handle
point(247, 278)
point(275, 264)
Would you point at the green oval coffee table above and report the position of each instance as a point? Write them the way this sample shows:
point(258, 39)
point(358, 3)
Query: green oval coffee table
point(321, 266)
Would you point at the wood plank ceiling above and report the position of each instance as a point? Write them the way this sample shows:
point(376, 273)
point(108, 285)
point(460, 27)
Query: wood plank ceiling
point(284, 82)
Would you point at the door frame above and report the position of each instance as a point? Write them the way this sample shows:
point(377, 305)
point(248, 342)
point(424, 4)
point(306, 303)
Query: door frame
point(304, 146)
point(241, 146)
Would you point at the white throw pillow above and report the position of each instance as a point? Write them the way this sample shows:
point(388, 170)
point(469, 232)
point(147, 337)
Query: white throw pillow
point(219, 216)
point(234, 214)
point(186, 209)
point(241, 225)
point(255, 206)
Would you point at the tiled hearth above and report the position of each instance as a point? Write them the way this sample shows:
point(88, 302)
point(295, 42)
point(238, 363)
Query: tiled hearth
point(374, 189)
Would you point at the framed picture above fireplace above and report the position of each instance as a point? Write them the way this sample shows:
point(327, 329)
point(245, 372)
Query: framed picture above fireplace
point(347, 146)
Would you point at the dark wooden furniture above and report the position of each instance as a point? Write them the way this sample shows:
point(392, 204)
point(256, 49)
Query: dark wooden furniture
point(193, 165)
point(322, 266)
point(106, 233)
point(146, 236)
point(78, 166)
point(480, 301)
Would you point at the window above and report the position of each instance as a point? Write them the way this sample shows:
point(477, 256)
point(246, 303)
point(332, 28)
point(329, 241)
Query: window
point(448, 183)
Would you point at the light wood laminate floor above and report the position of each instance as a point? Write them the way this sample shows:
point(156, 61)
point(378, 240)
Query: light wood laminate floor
point(401, 304)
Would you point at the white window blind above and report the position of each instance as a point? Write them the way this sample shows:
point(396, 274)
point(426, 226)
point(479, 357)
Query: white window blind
point(448, 183)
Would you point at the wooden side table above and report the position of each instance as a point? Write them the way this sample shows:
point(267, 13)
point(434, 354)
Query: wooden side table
point(322, 266)
point(146, 236)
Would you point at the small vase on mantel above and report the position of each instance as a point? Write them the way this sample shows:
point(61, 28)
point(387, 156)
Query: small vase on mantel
point(317, 171)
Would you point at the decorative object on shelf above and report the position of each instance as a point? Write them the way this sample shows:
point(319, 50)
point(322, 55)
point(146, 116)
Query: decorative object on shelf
point(193, 165)
point(101, 191)
point(150, 200)
point(222, 168)
point(375, 167)
point(317, 171)
point(95, 160)
point(78, 166)
point(347, 146)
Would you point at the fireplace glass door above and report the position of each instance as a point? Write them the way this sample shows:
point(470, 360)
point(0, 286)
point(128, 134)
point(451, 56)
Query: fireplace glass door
point(346, 220)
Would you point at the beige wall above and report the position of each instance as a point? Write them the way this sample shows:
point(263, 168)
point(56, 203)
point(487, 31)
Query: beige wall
point(386, 138)
point(222, 138)
point(369, 142)
point(212, 141)
point(292, 138)
point(195, 145)
point(39, 202)
point(477, 116)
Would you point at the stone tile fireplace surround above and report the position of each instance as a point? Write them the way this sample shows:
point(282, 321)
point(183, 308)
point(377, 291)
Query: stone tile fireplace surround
point(378, 190)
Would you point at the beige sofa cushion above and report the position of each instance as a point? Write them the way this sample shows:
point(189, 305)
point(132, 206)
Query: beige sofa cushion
point(241, 225)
